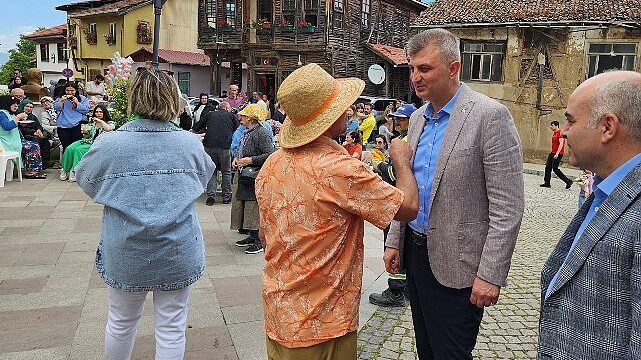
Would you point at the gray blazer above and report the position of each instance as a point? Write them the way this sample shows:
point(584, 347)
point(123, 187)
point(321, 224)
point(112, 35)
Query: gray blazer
point(594, 308)
point(477, 196)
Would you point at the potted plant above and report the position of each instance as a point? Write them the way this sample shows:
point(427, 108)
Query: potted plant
point(262, 25)
point(224, 26)
point(305, 27)
point(286, 26)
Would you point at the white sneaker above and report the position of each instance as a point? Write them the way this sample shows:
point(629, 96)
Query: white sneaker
point(63, 175)
point(72, 176)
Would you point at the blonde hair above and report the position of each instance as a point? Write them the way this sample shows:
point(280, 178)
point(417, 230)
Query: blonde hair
point(154, 95)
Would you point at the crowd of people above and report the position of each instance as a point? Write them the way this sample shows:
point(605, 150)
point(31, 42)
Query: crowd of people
point(444, 182)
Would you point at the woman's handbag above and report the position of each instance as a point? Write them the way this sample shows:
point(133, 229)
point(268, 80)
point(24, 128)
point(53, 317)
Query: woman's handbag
point(247, 175)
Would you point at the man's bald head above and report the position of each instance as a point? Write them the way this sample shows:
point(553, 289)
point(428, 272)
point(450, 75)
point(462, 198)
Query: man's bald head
point(616, 92)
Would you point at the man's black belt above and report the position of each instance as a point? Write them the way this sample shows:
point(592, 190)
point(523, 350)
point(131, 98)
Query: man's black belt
point(417, 237)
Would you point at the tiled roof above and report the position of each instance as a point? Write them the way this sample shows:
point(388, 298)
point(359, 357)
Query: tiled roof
point(468, 12)
point(56, 31)
point(175, 57)
point(393, 55)
point(96, 7)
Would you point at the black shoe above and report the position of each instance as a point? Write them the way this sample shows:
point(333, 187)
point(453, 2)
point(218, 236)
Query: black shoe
point(569, 184)
point(387, 299)
point(248, 241)
point(243, 231)
point(210, 201)
point(545, 185)
point(254, 249)
point(226, 201)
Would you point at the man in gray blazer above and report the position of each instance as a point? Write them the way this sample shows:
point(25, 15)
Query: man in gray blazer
point(468, 166)
point(591, 283)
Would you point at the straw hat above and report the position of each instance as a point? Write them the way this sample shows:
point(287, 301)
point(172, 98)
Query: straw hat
point(255, 111)
point(313, 100)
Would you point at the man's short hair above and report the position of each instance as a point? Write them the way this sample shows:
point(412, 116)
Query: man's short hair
point(368, 104)
point(554, 123)
point(100, 77)
point(622, 98)
point(445, 41)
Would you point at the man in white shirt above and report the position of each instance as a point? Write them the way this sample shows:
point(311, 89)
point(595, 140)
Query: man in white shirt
point(96, 87)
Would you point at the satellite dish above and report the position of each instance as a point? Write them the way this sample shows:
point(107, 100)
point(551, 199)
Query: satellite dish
point(376, 74)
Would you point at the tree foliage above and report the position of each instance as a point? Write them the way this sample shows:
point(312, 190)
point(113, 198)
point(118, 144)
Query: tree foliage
point(22, 57)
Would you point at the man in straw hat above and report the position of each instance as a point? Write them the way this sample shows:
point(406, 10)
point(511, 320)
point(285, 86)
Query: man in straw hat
point(313, 198)
point(468, 165)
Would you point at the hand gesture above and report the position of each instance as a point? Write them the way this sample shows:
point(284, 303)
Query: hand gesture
point(400, 151)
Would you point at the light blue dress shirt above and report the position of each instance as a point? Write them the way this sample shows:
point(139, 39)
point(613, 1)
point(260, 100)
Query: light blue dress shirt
point(240, 130)
point(603, 189)
point(427, 153)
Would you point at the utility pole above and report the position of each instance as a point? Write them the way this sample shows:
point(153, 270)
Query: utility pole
point(157, 11)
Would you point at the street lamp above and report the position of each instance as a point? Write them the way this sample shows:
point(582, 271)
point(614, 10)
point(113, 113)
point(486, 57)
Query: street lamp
point(157, 11)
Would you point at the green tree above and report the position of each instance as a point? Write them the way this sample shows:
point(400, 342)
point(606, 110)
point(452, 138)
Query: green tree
point(22, 57)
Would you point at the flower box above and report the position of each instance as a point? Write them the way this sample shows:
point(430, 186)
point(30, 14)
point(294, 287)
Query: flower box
point(287, 29)
point(307, 29)
point(227, 28)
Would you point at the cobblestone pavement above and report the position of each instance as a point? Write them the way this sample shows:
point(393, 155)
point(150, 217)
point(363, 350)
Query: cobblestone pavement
point(509, 329)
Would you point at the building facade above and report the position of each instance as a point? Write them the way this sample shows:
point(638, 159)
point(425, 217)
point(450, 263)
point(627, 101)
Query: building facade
point(531, 56)
point(275, 37)
point(51, 51)
point(99, 28)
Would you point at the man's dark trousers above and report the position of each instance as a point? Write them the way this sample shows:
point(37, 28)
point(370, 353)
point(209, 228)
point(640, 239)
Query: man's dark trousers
point(552, 164)
point(222, 158)
point(445, 322)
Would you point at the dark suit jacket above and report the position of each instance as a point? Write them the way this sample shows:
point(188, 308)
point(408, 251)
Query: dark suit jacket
point(594, 308)
point(477, 195)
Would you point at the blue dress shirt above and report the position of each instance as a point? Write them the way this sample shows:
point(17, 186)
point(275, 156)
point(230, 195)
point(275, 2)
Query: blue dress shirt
point(603, 189)
point(426, 157)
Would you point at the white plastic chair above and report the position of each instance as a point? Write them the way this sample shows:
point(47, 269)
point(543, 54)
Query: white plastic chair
point(7, 160)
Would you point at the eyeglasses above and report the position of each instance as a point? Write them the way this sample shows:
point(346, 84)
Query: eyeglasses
point(380, 142)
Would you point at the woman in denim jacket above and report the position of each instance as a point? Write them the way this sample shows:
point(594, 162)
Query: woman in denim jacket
point(148, 174)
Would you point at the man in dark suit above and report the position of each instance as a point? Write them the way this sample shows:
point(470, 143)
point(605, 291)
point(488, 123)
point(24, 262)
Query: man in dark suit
point(468, 166)
point(591, 283)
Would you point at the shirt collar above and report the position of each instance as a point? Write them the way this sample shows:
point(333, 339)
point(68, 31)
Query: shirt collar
point(448, 108)
point(613, 180)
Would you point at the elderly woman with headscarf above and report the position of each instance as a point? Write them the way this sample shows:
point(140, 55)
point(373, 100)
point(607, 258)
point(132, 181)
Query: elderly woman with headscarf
point(202, 108)
point(11, 140)
point(255, 146)
point(99, 121)
point(32, 130)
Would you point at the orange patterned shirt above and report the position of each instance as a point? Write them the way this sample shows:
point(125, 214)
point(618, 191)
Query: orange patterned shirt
point(313, 200)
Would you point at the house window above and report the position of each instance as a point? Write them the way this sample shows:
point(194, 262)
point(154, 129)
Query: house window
point(183, 82)
point(230, 13)
point(92, 34)
point(265, 10)
point(365, 10)
point(482, 61)
point(289, 13)
point(44, 52)
point(143, 32)
point(312, 8)
point(210, 11)
point(111, 37)
point(337, 17)
point(61, 52)
point(603, 57)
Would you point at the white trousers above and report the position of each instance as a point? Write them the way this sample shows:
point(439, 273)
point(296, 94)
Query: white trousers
point(125, 311)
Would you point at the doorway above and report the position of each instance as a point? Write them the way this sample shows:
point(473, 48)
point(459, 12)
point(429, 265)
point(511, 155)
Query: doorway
point(266, 84)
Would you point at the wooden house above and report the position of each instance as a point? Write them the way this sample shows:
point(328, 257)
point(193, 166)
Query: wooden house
point(275, 37)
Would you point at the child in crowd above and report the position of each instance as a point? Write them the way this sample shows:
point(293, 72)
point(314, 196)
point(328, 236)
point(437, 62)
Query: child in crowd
point(585, 181)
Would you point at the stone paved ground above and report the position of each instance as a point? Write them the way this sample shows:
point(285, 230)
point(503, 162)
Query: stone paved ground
point(53, 304)
point(509, 329)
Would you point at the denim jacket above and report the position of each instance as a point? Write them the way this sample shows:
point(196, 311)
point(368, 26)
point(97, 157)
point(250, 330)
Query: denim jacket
point(148, 175)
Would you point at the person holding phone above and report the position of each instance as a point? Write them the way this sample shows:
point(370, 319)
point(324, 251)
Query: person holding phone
point(72, 108)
